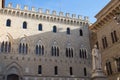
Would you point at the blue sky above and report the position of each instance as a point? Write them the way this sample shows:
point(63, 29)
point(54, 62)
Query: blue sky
point(79, 7)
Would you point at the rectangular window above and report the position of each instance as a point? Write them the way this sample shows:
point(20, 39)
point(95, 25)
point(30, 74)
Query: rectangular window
point(71, 71)
point(112, 37)
point(85, 72)
point(115, 36)
point(109, 68)
point(118, 64)
point(97, 44)
point(56, 70)
point(104, 42)
point(39, 69)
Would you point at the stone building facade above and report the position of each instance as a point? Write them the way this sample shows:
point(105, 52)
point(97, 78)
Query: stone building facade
point(108, 39)
point(37, 45)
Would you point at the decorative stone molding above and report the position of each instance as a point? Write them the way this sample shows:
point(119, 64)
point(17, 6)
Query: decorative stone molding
point(40, 15)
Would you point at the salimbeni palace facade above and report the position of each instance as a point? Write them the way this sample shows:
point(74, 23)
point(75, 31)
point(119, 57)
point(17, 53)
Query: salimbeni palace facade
point(37, 45)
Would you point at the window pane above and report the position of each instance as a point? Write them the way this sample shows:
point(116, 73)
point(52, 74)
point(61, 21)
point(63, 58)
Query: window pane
point(40, 27)
point(6, 44)
point(20, 48)
point(9, 47)
point(85, 72)
point(71, 72)
point(115, 35)
point(56, 70)
point(81, 32)
point(36, 49)
point(42, 50)
point(8, 23)
point(68, 30)
point(24, 25)
point(39, 69)
point(54, 29)
point(2, 47)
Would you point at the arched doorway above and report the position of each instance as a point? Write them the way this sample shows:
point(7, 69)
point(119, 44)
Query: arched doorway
point(12, 77)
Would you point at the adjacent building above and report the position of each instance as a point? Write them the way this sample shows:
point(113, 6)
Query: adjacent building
point(107, 38)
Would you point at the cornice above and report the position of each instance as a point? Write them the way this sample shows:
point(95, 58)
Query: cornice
point(106, 15)
point(40, 15)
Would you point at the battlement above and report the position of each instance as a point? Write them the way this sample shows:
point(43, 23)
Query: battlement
point(46, 15)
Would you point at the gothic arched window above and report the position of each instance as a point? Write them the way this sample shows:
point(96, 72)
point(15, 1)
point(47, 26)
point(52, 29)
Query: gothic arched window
point(6, 47)
point(23, 46)
point(104, 42)
point(69, 52)
point(81, 32)
point(55, 51)
point(114, 36)
point(39, 49)
point(24, 25)
point(36, 50)
point(109, 68)
point(83, 53)
point(66, 52)
point(54, 29)
point(42, 50)
point(68, 30)
point(80, 53)
point(2, 47)
point(8, 22)
point(40, 27)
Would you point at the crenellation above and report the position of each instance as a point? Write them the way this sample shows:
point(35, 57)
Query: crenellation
point(54, 12)
point(33, 9)
point(53, 17)
point(40, 15)
point(80, 17)
point(60, 13)
point(67, 14)
point(73, 15)
point(10, 5)
point(86, 18)
point(40, 10)
point(25, 7)
point(18, 6)
point(47, 11)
